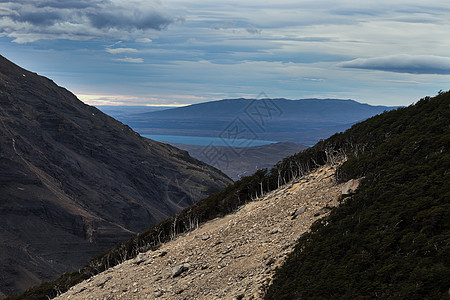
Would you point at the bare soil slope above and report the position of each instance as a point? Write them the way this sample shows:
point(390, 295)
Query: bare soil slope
point(228, 258)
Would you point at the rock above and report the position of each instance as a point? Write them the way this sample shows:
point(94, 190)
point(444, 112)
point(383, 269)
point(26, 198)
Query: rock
point(102, 283)
point(176, 271)
point(297, 212)
point(301, 210)
point(276, 230)
point(270, 262)
point(217, 243)
point(350, 186)
point(226, 251)
point(140, 258)
point(162, 254)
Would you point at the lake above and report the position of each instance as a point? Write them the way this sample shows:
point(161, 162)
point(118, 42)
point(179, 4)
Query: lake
point(205, 141)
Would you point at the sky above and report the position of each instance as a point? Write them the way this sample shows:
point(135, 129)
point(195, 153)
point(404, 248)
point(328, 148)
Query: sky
point(177, 52)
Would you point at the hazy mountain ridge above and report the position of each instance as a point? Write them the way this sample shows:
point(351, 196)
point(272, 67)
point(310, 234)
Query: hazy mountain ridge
point(303, 121)
point(74, 181)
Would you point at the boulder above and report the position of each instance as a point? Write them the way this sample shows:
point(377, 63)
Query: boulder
point(297, 212)
point(176, 271)
point(350, 186)
point(140, 258)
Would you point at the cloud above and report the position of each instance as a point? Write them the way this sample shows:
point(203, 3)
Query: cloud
point(144, 40)
point(8, 12)
point(403, 63)
point(229, 24)
point(28, 21)
point(120, 50)
point(130, 60)
point(252, 29)
point(313, 79)
point(223, 25)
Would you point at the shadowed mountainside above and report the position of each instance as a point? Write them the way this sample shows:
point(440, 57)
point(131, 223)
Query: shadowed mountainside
point(74, 181)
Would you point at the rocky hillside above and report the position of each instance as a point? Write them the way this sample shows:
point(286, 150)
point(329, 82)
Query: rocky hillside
point(74, 181)
point(233, 257)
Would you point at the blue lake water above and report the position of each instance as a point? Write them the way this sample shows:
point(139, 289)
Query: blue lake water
point(205, 141)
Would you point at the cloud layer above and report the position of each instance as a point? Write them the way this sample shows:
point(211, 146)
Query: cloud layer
point(31, 20)
point(235, 48)
point(412, 64)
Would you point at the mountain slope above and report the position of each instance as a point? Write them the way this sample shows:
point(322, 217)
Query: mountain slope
point(229, 258)
point(304, 121)
point(74, 181)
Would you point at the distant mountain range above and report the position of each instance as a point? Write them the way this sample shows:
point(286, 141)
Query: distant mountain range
point(74, 181)
point(302, 121)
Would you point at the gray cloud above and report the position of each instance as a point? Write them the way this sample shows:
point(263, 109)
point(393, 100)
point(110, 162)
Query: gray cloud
point(252, 29)
point(7, 12)
point(403, 63)
point(230, 24)
point(223, 25)
point(39, 18)
point(126, 20)
point(68, 4)
point(27, 21)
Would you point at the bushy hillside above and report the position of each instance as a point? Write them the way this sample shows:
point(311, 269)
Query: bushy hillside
point(391, 240)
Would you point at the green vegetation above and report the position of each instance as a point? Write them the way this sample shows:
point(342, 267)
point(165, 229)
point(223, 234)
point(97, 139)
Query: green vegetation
point(391, 240)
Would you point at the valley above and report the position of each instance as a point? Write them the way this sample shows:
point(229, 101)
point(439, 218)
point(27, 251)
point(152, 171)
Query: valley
point(240, 136)
point(238, 162)
point(75, 182)
point(396, 222)
point(236, 150)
